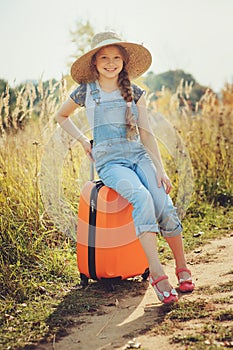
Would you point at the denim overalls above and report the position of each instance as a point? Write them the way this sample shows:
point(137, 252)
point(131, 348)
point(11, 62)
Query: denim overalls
point(126, 167)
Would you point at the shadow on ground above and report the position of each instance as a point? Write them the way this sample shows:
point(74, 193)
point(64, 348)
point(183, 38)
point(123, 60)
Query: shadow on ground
point(95, 317)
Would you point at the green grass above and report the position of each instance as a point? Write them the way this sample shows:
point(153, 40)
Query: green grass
point(213, 222)
point(221, 288)
point(210, 337)
point(185, 311)
point(38, 270)
point(49, 312)
point(211, 333)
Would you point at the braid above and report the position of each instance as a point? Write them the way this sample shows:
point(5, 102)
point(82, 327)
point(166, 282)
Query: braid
point(125, 86)
point(127, 93)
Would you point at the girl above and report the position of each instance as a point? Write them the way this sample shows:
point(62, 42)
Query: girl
point(125, 151)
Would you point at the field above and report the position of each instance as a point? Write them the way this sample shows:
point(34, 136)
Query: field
point(41, 174)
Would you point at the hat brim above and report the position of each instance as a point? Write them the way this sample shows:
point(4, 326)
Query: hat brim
point(139, 61)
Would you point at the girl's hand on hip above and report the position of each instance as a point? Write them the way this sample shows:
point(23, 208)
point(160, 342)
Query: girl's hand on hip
point(87, 148)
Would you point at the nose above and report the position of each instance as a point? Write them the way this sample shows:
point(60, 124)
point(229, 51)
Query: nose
point(110, 60)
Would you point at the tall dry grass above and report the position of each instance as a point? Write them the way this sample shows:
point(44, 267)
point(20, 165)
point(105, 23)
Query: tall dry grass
point(31, 245)
point(30, 242)
point(207, 132)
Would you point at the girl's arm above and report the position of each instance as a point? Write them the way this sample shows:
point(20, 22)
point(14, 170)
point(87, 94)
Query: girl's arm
point(62, 117)
point(151, 145)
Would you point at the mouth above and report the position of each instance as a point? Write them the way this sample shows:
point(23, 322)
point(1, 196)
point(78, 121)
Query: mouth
point(110, 69)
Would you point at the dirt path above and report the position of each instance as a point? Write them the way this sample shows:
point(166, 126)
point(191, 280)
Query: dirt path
point(139, 315)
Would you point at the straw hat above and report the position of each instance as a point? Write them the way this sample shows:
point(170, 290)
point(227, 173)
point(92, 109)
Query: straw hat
point(139, 58)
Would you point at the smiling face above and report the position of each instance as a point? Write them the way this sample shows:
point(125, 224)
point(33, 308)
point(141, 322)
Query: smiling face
point(109, 62)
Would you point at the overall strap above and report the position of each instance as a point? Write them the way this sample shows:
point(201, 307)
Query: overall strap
point(95, 92)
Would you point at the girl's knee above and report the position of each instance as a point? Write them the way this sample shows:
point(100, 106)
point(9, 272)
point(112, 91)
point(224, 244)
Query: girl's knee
point(172, 233)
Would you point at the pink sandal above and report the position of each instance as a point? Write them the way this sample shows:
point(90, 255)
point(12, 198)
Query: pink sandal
point(185, 285)
point(165, 297)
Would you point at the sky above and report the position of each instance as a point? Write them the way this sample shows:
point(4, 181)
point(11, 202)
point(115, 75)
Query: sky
point(193, 35)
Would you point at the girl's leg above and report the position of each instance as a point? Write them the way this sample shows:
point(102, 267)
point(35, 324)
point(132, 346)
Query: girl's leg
point(176, 245)
point(126, 182)
point(148, 242)
point(165, 211)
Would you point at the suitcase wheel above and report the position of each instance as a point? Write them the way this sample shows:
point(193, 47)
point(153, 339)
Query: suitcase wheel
point(84, 280)
point(145, 274)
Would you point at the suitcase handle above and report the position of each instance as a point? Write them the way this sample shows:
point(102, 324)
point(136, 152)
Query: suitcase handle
point(92, 167)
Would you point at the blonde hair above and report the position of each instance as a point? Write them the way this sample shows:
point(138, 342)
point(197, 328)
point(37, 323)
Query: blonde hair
point(126, 90)
point(127, 93)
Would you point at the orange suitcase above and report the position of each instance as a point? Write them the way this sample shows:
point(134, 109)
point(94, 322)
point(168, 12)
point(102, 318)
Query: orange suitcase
point(107, 246)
